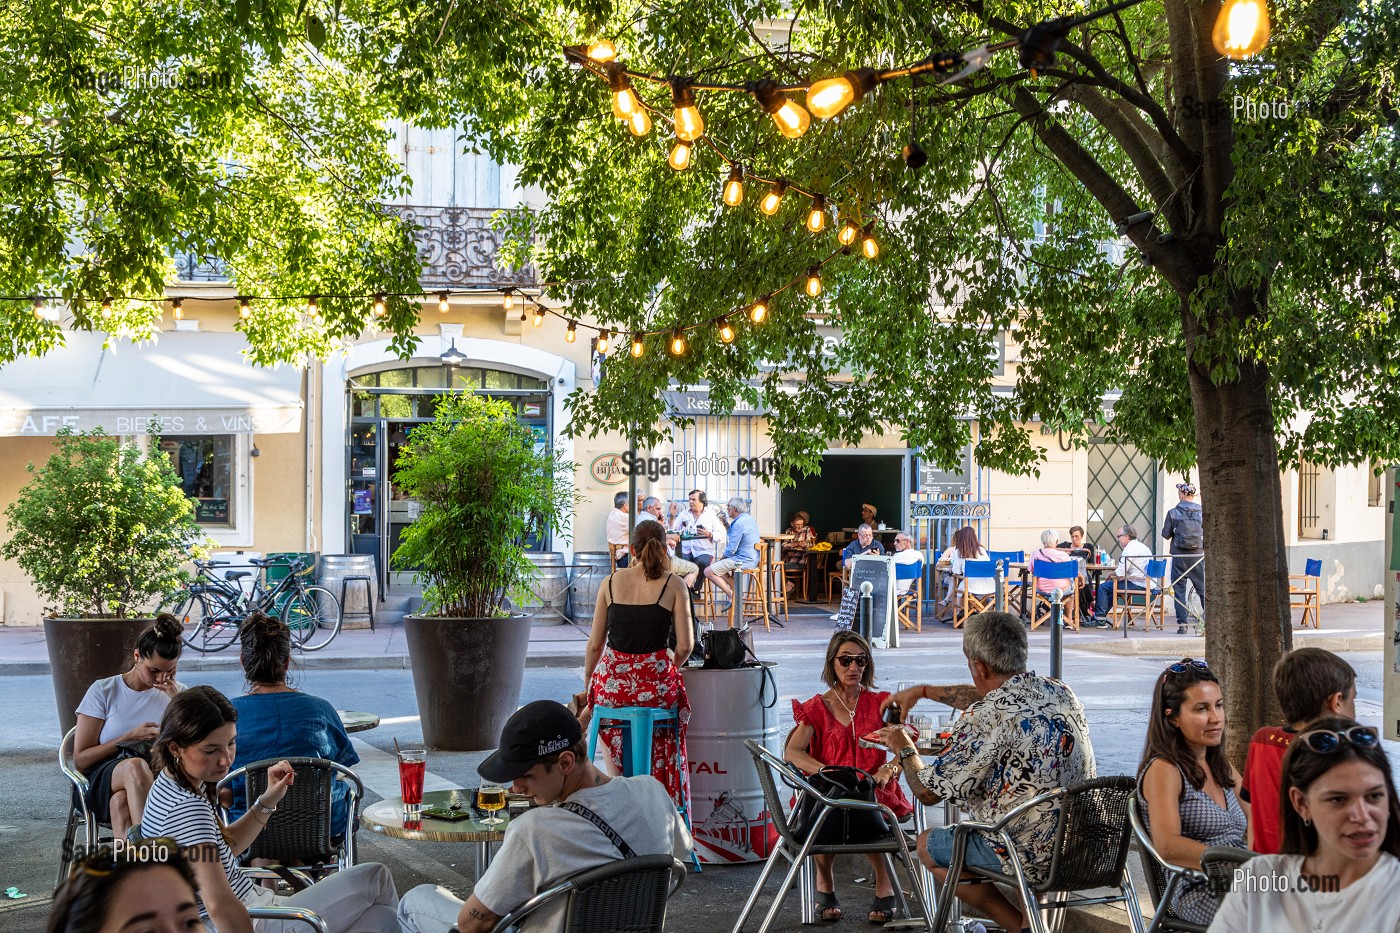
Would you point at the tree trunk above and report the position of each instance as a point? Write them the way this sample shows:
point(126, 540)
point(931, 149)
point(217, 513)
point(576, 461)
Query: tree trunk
point(1248, 620)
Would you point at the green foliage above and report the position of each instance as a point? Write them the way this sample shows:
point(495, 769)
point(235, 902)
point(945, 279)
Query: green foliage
point(482, 488)
point(101, 529)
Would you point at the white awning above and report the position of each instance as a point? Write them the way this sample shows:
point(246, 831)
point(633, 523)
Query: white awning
point(193, 383)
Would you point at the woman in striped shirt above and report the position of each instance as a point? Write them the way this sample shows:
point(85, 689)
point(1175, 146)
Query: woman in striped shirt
point(193, 752)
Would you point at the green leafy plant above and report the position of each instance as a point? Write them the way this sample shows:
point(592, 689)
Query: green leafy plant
point(482, 487)
point(101, 529)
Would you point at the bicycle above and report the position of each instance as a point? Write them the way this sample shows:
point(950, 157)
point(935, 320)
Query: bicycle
point(212, 610)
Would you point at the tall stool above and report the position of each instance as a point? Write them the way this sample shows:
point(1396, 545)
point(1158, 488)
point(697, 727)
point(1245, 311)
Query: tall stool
point(638, 723)
point(777, 584)
point(369, 598)
point(755, 592)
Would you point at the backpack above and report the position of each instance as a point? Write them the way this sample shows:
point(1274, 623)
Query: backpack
point(1187, 534)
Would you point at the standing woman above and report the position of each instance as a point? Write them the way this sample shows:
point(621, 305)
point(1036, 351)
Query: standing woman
point(193, 752)
point(1186, 787)
point(640, 626)
point(117, 721)
point(1339, 868)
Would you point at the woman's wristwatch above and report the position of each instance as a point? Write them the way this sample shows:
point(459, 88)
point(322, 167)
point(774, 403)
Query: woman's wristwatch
point(262, 807)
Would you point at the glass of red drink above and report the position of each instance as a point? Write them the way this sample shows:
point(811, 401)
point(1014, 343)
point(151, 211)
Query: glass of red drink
point(413, 762)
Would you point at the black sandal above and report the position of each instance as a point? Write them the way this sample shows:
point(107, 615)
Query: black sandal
point(887, 907)
point(827, 903)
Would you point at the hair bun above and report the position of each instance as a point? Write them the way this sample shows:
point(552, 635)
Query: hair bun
point(167, 626)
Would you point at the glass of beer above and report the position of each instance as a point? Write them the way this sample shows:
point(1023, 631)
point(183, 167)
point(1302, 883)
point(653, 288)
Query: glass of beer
point(491, 798)
point(413, 762)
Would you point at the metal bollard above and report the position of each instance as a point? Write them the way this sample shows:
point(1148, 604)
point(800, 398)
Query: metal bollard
point(865, 610)
point(1057, 636)
point(1001, 590)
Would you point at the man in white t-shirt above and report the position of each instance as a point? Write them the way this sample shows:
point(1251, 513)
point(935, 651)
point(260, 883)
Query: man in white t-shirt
point(618, 528)
point(651, 512)
point(583, 819)
point(1131, 574)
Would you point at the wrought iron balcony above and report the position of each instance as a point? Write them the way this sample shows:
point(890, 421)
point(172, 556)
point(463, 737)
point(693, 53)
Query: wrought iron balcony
point(192, 268)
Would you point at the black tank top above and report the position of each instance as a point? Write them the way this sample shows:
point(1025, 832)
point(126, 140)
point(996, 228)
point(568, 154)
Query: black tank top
point(640, 628)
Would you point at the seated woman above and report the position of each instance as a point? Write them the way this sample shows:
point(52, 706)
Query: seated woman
point(1341, 837)
point(117, 721)
point(193, 752)
point(140, 889)
point(965, 547)
point(280, 722)
point(827, 727)
point(803, 537)
point(1050, 550)
point(1186, 787)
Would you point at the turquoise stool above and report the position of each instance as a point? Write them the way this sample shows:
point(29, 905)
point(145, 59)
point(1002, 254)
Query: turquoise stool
point(638, 723)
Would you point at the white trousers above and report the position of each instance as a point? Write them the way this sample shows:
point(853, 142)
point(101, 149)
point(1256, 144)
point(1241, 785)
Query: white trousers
point(429, 908)
point(360, 899)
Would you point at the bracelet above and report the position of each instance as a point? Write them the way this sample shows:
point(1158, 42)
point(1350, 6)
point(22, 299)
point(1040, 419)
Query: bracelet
point(261, 807)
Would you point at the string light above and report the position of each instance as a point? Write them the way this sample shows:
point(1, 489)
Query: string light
point(38, 307)
point(816, 218)
point(1241, 29)
point(379, 306)
point(792, 120)
point(312, 308)
point(734, 186)
point(848, 233)
point(571, 334)
point(601, 51)
point(869, 246)
point(523, 312)
point(639, 123)
point(774, 198)
point(177, 308)
point(813, 284)
point(603, 342)
point(830, 96)
point(726, 332)
point(442, 303)
point(690, 126)
point(507, 300)
point(638, 348)
point(759, 310)
point(680, 156)
point(625, 101)
point(106, 308)
point(677, 343)
point(539, 318)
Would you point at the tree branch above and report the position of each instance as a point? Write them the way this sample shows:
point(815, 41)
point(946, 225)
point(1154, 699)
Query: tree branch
point(1138, 148)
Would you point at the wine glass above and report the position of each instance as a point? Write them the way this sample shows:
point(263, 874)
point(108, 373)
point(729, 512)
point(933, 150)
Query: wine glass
point(491, 798)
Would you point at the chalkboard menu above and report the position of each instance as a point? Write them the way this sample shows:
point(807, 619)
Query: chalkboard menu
point(879, 571)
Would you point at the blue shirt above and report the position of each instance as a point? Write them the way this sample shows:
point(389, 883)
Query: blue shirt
point(855, 549)
point(743, 540)
point(286, 725)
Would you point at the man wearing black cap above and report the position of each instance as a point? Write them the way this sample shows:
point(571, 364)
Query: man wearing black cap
point(583, 818)
point(1183, 528)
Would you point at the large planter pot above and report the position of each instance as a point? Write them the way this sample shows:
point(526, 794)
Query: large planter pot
point(467, 675)
point(82, 651)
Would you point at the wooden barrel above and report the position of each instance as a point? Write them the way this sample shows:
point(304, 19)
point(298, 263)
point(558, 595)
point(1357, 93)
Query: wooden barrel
point(590, 568)
point(334, 568)
point(548, 590)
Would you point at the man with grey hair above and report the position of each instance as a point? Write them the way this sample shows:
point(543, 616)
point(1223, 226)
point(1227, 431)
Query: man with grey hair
point(618, 530)
point(742, 550)
point(651, 512)
point(1131, 573)
point(1023, 735)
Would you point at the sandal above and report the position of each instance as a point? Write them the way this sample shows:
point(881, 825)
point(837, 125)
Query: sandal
point(828, 907)
point(885, 908)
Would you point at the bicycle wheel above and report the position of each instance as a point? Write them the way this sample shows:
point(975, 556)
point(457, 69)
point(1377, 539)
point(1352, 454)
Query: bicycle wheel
point(313, 615)
point(207, 621)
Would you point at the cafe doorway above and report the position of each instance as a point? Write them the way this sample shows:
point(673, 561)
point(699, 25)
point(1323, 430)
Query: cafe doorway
point(849, 478)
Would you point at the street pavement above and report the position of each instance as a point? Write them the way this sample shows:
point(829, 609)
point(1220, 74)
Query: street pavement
point(367, 671)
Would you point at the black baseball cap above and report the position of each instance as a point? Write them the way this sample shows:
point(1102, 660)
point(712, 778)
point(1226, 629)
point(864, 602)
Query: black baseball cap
point(536, 730)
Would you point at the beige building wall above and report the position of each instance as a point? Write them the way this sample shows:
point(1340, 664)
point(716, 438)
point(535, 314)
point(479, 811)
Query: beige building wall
point(1024, 506)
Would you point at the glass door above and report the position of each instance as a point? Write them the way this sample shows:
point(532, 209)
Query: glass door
point(366, 485)
point(402, 511)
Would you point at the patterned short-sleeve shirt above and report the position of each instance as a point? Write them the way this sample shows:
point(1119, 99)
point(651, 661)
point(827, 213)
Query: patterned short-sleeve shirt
point(1026, 737)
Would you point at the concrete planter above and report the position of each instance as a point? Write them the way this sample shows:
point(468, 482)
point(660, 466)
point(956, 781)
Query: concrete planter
point(82, 651)
point(467, 675)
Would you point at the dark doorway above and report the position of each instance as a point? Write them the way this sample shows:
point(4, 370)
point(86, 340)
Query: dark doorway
point(834, 496)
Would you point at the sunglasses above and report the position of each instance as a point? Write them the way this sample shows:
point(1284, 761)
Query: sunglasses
point(1325, 741)
point(1181, 667)
point(846, 660)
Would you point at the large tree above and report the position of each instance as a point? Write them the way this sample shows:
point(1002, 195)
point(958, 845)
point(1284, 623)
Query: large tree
point(1246, 319)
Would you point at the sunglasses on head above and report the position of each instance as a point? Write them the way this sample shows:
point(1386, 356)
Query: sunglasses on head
point(846, 660)
point(1181, 667)
point(1325, 741)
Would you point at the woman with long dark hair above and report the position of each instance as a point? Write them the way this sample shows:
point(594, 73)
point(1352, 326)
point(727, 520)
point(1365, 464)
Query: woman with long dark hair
point(640, 626)
point(193, 752)
point(278, 721)
point(146, 886)
point(1339, 862)
point(117, 721)
point(1186, 787)
point(965, 547)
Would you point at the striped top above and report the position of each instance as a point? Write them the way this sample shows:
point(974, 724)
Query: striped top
point(190, 820)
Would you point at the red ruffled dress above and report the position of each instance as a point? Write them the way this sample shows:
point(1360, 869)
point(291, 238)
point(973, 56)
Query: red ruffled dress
point(835, 744)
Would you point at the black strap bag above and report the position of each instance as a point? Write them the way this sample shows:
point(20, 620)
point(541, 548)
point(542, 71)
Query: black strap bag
point(725, 649)
point(841, 827)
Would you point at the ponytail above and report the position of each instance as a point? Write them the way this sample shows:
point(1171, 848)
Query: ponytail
point(649, 543)
point(161, 639)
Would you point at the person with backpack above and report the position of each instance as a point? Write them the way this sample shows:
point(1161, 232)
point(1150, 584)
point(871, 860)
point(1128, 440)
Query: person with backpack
point(1184, 529)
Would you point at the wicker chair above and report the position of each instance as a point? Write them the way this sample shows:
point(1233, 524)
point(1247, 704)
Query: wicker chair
point(1090, 851)
point(1163, 878)
point(300, 832)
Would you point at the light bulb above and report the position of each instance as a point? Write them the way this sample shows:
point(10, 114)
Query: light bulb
point(245, 310)
point(677, 343)
point(106, 308)
point(690, 126)
point(638, 348)
point(639, 123)
point(312, 308)
point(507, 300)
point(442, 303)
point(625, 101)
point(774, 198)
point(571, 334)
point(601, 51)
point(792, 119)
point(869, 247)
point(603, 342)
point(38, 307)
point(848, 233)
point(379, 306)
point(539, 317)
point(813, 285)
point(178, 309)
point(1241, 28)
point(758, 310)
point(679, 159)
point(830, 96)
point(816, 218)
point(734, 186)
point(726, 332)
point(523, 310)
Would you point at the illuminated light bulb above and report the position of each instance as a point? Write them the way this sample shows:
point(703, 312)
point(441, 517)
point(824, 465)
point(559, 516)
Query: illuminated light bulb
point(734, 186)
point(38, 307)
point(816, 218)
point(245, 308)
point(603, 342)
point(106, 308)
point(774, 198)
point(677, 343)
point(601, 51)
point(639, 123)
point(848, 233)
point(442, 303)
point(638, 348)
point(690, 126)
point(680, 156)
point(792, 119)
point(869, 246)
point(625, 101)
point(379, 306)
point(178, 309)
point(726, 332)
point(758, 310)
point(539, 318)
point(312, 308)
point(1241, 29)
point(571, 334)
point(507, 300)
point(813, 285)
point(830, 96)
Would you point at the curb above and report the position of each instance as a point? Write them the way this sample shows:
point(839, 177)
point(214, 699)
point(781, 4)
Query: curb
point(1374, 641)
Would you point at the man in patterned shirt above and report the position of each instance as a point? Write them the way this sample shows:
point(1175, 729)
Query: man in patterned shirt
point(1021, 735)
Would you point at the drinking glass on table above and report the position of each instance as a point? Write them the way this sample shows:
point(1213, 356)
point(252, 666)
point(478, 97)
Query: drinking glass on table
point(491, 798)
point(413, 762)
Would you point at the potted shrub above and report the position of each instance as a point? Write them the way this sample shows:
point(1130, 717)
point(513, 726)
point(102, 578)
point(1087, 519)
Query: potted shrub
point(101, 531)
point(482, 488)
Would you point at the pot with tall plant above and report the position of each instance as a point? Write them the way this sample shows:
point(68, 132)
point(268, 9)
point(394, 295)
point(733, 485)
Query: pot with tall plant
point(102, 531)
point(482, 487)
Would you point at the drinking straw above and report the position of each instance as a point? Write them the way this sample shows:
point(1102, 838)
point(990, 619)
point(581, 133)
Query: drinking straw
point(397, 751)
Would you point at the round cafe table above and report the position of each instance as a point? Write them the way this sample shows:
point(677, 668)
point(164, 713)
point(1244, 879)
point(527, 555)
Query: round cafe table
point(357, 722)
point(386, 817)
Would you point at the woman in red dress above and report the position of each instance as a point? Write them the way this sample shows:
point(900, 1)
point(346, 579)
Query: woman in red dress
point(640, 626)
point(827, 728)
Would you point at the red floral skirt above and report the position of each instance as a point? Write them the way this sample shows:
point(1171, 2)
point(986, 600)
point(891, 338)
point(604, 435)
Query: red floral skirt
point(646, 680)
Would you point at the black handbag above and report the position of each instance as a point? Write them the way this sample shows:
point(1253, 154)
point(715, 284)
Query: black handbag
point(725, 649)
point(841, 827)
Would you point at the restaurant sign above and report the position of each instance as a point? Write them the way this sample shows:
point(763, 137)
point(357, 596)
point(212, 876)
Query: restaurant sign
point(696, 403)
point(47, 423)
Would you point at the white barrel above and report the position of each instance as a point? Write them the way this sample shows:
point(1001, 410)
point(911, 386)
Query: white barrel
point(548, 589)
point(589, 570)
point(332, 569)
point(729, 818)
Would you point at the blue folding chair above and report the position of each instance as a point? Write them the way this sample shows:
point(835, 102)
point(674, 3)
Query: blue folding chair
point(1152, 600)
point(975, 602)
point(1067, 570)
point(1306, 594)
point(1013, 585)
point(914, 597)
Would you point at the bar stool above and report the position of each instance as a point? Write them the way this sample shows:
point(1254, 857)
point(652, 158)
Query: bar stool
point(369, 598)
point(755, 591)
point(777, 584)
point(639, 723)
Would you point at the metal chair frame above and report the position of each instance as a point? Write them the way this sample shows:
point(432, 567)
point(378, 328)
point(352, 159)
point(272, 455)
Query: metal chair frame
point(1070, 599)
point(77, 812)
point(582, 914)
point(1049, 894)
point(345, 855)
point(1163, 920)
point(1154, 595)
point(1306, 593)
point(975, 602)
point(912, 599)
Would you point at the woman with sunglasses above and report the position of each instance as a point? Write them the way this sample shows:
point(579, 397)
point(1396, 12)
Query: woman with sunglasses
point(1186, 787)
point(146, 887)
point(1339, 863)
point(828, 726)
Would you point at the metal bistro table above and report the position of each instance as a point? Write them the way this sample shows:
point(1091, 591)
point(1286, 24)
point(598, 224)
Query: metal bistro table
point(386, 817)
point(356, 721)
